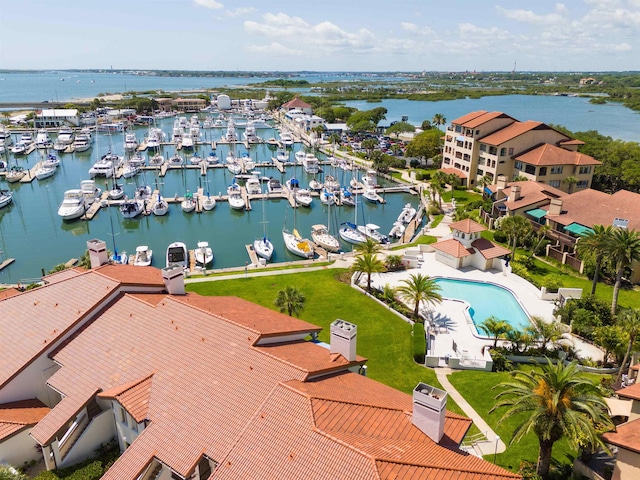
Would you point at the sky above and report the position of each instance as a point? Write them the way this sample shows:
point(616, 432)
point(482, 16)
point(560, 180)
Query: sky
point(321, 35)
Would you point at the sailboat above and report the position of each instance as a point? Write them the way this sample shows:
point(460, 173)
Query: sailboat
point(263, 246)
point(349, 231)
point(321, 236)
point(295, 243)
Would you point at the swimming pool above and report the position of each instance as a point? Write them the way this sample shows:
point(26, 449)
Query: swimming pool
point(485, 300)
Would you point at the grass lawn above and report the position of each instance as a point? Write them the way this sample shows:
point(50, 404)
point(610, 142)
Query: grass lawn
point(421, 240)
point(462, 196)
point(383, 338)
point(476, 388)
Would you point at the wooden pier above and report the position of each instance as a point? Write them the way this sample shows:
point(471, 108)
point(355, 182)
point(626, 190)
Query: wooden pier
point(252, 255)
point(142, 147)
point(278, 164)
point(6, 263)
point(91, 212)
point(198, 198)
point(31, 174)
point(290, 195)
point(71, 262)
point(245, 197)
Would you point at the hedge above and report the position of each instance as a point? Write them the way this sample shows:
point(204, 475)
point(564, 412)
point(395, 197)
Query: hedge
point(419, 343)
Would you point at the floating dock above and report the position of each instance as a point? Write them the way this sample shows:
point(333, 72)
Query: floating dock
point(252, 255)
point(6, 263)
point(31, 174)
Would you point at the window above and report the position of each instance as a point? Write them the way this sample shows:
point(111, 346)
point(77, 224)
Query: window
point(480, 173)
point(477, 132)
point(447, 161)
point(584, 170)
point(517, 165)
point(481, 161)
point(542, 172)
point(122, 415)
point(530, 169)
point(556, 170)
point(554, 183)
point(582, 184)
point(511, 151)
point(458, 129)
point(503, 152)
point(493, 150)
point(483, 147)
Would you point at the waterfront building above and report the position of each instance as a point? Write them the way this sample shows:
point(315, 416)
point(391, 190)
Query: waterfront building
point(189, 104)
point(57, 117)
point(297, 104)
point(164, 104)
point(210, 387)
point(490, 144)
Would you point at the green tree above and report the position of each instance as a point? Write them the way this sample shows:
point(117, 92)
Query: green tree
point(57, 268)
point(557, 401)
point(368, 263)
point(425, 145)
point(398, 128)
point(290, 300)
point(547, 332)
point(594, 244)
point(426, 125)
point(9, 473)
point(369, 145)
point(419, 289)
point(439, 119)
point(570, 182)
point(610, 338)
point(629, 321)
point(495, 328)
point(623, 250)
point(515, 227)
point(368, 246)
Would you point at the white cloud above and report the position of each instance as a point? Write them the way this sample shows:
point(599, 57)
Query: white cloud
point(413, 28)
point(240, 12)
point(527, 16)
point(208, 4)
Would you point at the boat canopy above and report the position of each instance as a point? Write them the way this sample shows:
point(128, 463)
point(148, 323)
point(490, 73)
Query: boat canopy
point(372, 226)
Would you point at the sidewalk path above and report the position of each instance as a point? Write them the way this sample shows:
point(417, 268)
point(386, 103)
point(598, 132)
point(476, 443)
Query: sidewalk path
point(493, 444)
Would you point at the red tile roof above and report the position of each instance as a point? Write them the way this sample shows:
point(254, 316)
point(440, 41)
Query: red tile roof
point(467, 226)
point(454, 171)
point(632, 392)
point(16, 416)
point(547, 154)
point(9, 292)
point(626, 436)
point(453, 247)
point(133, 396)
point(488, 249)
point(531, 193)
point(512, 131)
point(468, 117)
point(296, 103)
point(484, 118)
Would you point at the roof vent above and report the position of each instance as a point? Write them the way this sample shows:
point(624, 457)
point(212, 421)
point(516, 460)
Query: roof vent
point(97, 252)
point(429, 409)
point(343, 339)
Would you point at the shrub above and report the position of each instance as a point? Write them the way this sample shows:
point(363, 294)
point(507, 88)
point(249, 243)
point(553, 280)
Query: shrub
point(552, 283)
point(500, 362)
point(499, 237)
point(414, 163)
point(419, 343)
point(520, 270)
point(394, 262)
point(424, 176)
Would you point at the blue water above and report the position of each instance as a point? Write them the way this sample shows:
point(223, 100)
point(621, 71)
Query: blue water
point(485, 300)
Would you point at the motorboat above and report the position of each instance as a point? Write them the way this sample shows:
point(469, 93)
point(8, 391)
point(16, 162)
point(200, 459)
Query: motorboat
point(208, 123)
point(371, 230)
point(346, 197)
point(65, 135)
point(321, 236)
point(111, 127)
point(253, 185)
point(131, 208)
point(156, 160)
point(203, 254)
point(293, 184)
point(250, 135)
point(83, 141)
point(350, 233)
point(177, 254)
point(247, 164)
point(282, 155)
point(121, 258)
point(208, 203)
point(187, 141)
point(331, 184)
point(235, 197)
point(160, 207)
point(327, 198)
point(15, 174)
point(137, 160)
point(370, 179)
point(176, 161)
point(371, 196)
point(26, 138)
point(45, 172)
point(212, 158)
point(286, 138)
point(397, 230)
point(6, 197)
point(51, 161)
point(315, 185)
point(129, 170)
point(58, 146)
point(299, 156)
point(102, 168)
point(188, 205)
point(116, 193)
point(130, 142)
point(274, 185)
point(154, 138)
point(143, 192)
point(310, 164)
point(43, 140)
point(195, 159)
point(90, 191)
point(143, 256)
point(230, 135)
point(233, 164)
point(303, 197)
point(407, 214)
point(218, 123)
point(5, 135)
point(296, 245)
point(19, 148)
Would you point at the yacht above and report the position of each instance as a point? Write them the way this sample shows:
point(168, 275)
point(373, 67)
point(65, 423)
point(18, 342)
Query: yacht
point(154, 137)
point(130, 142)
point(137, 160)
point(72, 205)
point(195, 159)
point(310, 163)
point(43, 140)
point(274, 185)
point(176, 160)
point(156, 160)
point(233, 164)
point(160, 207)
point(350, 233)
point(90, 191)
point(6, 197)
point(45, 172)
point(327, 198)
point(321, 236)
point(212, 158)
point(187, 141)
point(371, 230)
point(282, 155)
point(296, 245)
point(51, 161)
point(331, 184)
point(5, 135)
point(253, 185)
point(177, 254)
point(188, 205)
point(230, 135)
point(250, 135)
point(26, 138)
point(105, 167)
point(65, 135)
point(235, 197)
point(303, 197)
point(19, 148)
point(286, 138)
point(299, 156)
point(208, 202)
point(83, 141)
point(143, 256)
point(369, 179)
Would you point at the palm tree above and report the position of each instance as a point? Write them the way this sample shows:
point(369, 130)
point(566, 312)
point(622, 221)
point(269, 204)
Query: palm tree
point(419, 288)
point(547, 332)
point(290, 300)
point(541, 234)
point(368, 263)
point(595, 243)
point(629, 320)
point(558, 402)
point(623, 250)
point(570, 182)
point(368, 246)
point(439, 119)
point(515, 227)
point(496, 328)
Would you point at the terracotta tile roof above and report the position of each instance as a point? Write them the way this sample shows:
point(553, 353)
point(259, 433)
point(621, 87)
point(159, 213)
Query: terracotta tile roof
point(467, 226)
point(454, 171)
point(488, 249)
point(132, 275)
point(63, 275)
point(133, 396)
point(484, 118)
point(512, 131)
point(296, 103)
point(601, 209)
point(632, 392)
point(468, 117)
point(626, 436)
point(531, 193)
point(9, 292)
point(308, 358)
point(16, 416)
point(399, 471)
point(453, 247)
point(574, 141)
point(547, 154)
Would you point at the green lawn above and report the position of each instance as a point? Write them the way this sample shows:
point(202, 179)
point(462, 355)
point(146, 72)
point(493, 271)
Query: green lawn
point(421, 240)
point(462, 196)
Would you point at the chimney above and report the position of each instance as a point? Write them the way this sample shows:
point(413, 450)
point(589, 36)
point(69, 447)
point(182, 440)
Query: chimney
point(97, 252)
point(501, 182)
point(555, 207)
point(173, 277)
point(429, 409)
point(343, 339)
point(515, 193)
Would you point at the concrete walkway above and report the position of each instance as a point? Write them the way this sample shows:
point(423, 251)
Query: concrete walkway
point(493, 444)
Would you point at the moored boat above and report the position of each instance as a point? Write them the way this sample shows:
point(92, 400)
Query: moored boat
point(177, 254)
point(131, 208)
point(321, 236)
point(203, 254)
point(143, 256)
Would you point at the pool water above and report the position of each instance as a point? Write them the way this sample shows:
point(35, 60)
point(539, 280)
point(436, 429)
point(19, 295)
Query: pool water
point(485, 300)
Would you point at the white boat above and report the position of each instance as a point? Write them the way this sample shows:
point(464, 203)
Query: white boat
point(143, 256)
point(90, 191)
point(208, 202)
point(218, 123)
point(230, 135)
point(116, 193)
point(397, 230)
point(407, 214)
point(129, 170)
point(282, 155)
point(137, 160)
point(131, 208)
point(310, 164)
point(253, 185)
point(160, 206)
point(15, 174)
point(121, 258)
point(327, 198)
point(6, 197)
point(274, 185)
point(303, 197)
point(83, 141)
point(43, 140)
point(65, 135)
point(26, 138)
point(156, 160)
point(347, 197)
point(331, 184)
point(315, 185)
point(296, 245)
point(286, 138)
point(188, 205)
point(250, 134)
point(370, 195)
point(5, 135)
point(235, 197)
point(143, 192)
point(102, 168)
point(212, 158)
point(195, 159)
point(187, 141)
point(154, 137)
point(45, 172)
point(203, 254)
point(233, 164)
point(370, 179)
point(299, 156)
point(176, 160)
point(208, 123)
point(350, 233)
point(51, 161)
point(130, 142)
point(177, 254)
point(59, 146)
point(263, 246)
point(19, 148)
point(321, 236)
point(247, 164)
point(371, 230)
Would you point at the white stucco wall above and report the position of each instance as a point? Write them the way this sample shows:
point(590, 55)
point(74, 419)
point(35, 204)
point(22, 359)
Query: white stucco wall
point(446, 259)
point(99, 431)
point(31, 383)
point(18, 449)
